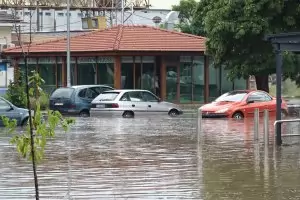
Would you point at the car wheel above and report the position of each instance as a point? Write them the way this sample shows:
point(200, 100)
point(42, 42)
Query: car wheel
point(173, 113)
point(128, 114)
point(84, 113)
point(238, 115)
point(25, 122)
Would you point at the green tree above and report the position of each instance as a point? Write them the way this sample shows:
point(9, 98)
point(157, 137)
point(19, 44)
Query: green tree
point(31, 143)
point(187, 13)
point(236, 31)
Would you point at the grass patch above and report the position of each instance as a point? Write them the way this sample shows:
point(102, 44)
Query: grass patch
point(289, 89)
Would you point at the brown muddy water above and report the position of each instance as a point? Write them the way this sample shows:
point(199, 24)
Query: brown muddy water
point(157, 158)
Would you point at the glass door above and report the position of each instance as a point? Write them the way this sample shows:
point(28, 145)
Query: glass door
point(172, 80)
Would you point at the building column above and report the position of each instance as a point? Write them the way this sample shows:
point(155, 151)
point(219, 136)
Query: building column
point(163, 82)
point(117, 72)
point(206, 79)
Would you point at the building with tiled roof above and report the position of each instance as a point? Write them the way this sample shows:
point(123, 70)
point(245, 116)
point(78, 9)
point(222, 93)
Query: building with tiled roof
point(130, 57)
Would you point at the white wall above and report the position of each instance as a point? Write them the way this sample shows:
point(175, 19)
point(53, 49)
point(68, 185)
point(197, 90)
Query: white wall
point(48, 18)
point(5, 33)
point(6, 74)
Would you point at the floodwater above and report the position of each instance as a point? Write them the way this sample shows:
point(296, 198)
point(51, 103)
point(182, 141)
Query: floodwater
point(156, 158)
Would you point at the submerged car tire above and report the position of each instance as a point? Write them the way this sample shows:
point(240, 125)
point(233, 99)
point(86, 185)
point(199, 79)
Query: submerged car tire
point(84, 113)
point(25, 122)
point(238, 115)
point(128, 114)
point(173, 113)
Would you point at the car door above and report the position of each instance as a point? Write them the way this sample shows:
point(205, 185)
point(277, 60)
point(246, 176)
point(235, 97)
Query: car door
point(153, 104)
point(138, 104)
point(255, 100)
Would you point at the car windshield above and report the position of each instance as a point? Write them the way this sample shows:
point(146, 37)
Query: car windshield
point(62, 93)
point(232, 97)
point(107, 96)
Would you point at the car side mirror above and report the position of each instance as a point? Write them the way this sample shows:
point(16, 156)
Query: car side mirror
point(159, 100)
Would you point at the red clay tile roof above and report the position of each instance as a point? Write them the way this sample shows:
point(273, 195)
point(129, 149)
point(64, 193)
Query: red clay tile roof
point(121, 38)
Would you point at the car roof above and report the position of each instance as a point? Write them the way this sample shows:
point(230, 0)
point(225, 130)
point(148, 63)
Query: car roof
point(247, 91)
point(87, 86)
point(84, 86)
point(127, 90)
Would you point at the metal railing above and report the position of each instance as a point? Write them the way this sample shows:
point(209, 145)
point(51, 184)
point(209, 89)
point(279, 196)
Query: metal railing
point(286, 121)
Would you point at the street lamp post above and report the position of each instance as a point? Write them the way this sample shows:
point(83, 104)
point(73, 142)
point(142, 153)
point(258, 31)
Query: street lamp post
point(68, 46)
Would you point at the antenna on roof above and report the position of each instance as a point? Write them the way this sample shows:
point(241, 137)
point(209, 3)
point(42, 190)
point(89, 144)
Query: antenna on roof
point(171, 20)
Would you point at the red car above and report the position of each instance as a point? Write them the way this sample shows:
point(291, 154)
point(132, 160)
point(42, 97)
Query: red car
point(241, 104)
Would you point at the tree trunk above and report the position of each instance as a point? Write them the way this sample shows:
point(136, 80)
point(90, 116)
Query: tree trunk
point(262, 82)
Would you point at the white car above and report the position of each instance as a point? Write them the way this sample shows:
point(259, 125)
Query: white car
point(129, 103)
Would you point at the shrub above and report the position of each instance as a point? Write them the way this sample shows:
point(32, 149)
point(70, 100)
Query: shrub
point(16, 94)
point(43, 101)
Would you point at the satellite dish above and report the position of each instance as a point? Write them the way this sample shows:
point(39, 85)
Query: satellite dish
point(172, 17)
point(171, 20)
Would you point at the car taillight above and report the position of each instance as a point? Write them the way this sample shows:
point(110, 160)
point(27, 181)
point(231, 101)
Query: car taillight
point(115, 105)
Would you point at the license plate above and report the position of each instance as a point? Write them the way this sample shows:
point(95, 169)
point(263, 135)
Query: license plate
point(100, 106)
point(59, 104)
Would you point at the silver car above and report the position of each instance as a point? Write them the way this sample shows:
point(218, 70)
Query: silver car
point(11, 111)
point(129, 103)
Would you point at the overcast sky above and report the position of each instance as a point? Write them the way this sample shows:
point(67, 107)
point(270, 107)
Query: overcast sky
point(163, 4)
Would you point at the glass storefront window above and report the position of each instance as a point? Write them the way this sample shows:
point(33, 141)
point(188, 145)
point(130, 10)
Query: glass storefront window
point(240, 84)
point(226, 84)
point(127, 70)
point(148, 77)
point(86, 69)
point(198, 79)
point(47, 72)
point(138, 72)
point(186, 79)
point(32, 66)
point(214, 81)
point(171, 80)
point(105, 71)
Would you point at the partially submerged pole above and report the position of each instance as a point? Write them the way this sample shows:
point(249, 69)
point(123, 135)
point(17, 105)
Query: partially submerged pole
point(256, 123)
point(266, 127)
point(199, 123)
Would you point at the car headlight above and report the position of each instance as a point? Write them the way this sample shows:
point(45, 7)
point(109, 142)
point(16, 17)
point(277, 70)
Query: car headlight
point(222, 110)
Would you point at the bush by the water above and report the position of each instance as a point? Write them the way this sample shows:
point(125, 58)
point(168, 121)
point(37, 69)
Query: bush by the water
point(16, 94)
point(43, 100)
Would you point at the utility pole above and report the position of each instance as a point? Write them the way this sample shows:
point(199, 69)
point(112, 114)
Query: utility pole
point(122, 12)
point(68, 46)
point(37, 16)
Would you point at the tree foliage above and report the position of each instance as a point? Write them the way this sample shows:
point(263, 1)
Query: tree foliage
point(44, 127)
point(236, 30)
point(187, 11)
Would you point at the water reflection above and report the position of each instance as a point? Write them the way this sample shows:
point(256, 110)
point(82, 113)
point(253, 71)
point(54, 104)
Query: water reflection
point(156, 158)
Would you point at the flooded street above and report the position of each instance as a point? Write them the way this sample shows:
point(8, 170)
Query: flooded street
point(156, 158)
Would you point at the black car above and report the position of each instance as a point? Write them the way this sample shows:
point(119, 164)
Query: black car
point(76, 100)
